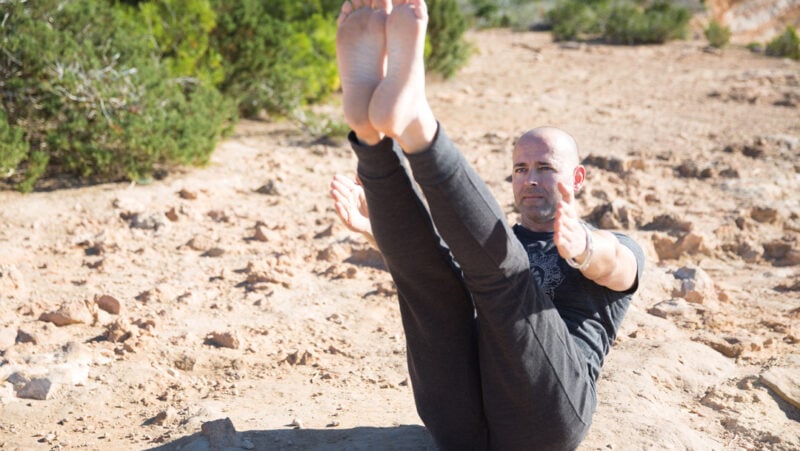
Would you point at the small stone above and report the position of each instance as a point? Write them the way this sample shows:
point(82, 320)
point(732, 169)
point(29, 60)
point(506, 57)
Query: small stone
point(667, 249)
point(108, 303)
point(153, 221)
point(8, 336)
point(188, 195)
point(695, 285)
point(172, 214)
point(214, 252)
point(262, 233)
point(164, 417)
point(71, 312)
point(11, 281)
point(200, 243)
point(675, 307)
point(296, 423)
point(223, 340)
point(185, 362)
point(764, 215)
point(39, 389)
point(270, 188)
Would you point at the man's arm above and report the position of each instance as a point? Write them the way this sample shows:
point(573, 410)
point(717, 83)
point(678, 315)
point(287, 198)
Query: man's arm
point(611, 264)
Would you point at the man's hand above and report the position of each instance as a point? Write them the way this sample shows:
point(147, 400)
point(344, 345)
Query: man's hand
point(351, 205)
point(570, 235)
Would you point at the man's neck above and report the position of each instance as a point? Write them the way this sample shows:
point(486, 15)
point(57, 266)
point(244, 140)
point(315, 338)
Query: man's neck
point(538, 226)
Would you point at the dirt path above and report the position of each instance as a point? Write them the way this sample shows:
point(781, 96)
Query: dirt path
point(241, 297)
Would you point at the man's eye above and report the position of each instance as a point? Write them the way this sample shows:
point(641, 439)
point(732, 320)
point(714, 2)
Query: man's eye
point(519, 170)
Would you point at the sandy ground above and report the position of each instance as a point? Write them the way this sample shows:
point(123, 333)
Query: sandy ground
point(231, 291)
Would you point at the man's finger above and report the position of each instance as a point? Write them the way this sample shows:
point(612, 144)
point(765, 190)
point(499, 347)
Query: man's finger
point(566, 194)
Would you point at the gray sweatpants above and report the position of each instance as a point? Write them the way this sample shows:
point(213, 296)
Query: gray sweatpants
point(491, 362)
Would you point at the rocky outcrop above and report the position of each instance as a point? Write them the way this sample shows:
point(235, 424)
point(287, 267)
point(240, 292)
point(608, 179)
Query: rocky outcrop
point(755, 20)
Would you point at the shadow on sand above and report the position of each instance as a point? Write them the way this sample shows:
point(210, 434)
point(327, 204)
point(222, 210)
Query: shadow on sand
point(405, 437)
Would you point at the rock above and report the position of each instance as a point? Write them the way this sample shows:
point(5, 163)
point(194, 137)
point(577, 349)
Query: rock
point(71, 312)
point(214, 252)
point(270, 188)
point(186, 194)
point(108, 303)
point(298, 358)
point(695, 285)
point(152, 221)
point(40, 389)
point(128, 207)
point(164, 417)
point(223, 340)
point(614, 215)
point(785, 381)
point(8, 336)
point(273, 270)
point(200, 243)
point(11, 281)
point(172, 214)
point(666, 223)
point(40, 333)
point(781, 253)
point(727, 346)
point(265, 234)
point(675, 307)
point(764, 215)
point(667, 249)
point(220, 434)
point(368, 256)
point(185, 362)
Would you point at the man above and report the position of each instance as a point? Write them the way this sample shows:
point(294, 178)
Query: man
point(506, 329)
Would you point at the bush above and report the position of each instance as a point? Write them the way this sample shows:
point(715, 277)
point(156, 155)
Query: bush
point(13, 147)
point(446, 49)
point(786, 45)
point(576, 20)
point(278, 54)
point(718, 35)
point(623, 22)
point(655, 24)
point(81, 79)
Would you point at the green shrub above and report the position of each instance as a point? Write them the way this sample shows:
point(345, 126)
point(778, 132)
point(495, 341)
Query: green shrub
point(718, 35)
point(620, 22)
point(278, 55)
point(786, 45)
point(576, 20)
point(13, 147)
point(81, 79)
point(180, 32)
point(446, 49)
point(655, 24)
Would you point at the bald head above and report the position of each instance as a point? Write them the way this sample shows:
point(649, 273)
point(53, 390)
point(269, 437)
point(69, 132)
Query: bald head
point(560, 143)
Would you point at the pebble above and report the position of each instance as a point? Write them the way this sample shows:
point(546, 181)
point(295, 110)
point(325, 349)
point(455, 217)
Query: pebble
point(38, 389)
point(224, 340)
point(70, 312)
point(108, 303)
point(695, 285)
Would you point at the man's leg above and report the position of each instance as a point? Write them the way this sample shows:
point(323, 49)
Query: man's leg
point(535, 389)
point(436, 308)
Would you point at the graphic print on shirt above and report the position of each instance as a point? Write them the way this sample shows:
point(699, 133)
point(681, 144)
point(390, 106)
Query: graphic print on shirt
point(545, 268)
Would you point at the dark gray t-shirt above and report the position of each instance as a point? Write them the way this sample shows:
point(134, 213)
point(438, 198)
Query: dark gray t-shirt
point(592, 313)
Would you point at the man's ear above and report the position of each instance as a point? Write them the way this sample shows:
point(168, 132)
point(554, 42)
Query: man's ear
point(578, 178)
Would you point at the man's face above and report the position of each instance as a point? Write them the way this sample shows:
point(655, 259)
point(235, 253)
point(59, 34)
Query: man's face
point(537, 169)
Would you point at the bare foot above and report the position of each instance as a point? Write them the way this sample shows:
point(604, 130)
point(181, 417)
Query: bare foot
point(361, 55)
point(399, 106)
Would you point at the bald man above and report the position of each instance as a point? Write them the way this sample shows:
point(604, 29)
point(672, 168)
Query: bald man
point(506, 327)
